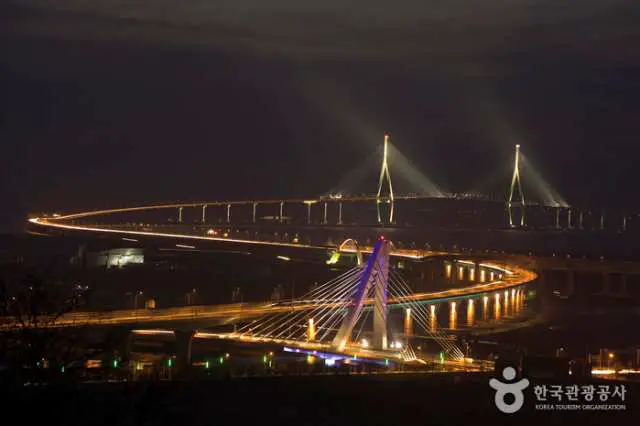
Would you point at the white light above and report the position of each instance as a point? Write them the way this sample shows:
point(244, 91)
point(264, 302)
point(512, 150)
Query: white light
point(364, 343)
point(396, 345)
point(185, 246)
point(283, 258)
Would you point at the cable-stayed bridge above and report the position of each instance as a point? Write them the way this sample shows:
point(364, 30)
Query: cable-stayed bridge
point(429, 209)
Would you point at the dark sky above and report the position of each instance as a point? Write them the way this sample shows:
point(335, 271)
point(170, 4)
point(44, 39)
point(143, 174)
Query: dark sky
point(108, 102)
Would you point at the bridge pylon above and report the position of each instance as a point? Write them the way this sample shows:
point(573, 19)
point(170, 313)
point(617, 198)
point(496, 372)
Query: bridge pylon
point(519, 201)
point(375, 279)
point(384, 172)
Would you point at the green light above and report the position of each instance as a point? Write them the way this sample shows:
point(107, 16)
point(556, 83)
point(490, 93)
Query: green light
point(170, 362)
point(441, 357)
point(386, 361)
point(334, 258)
point(264, 359)
point(221, 360)
point(62, 369)
point(206, 364)
point(114, 364)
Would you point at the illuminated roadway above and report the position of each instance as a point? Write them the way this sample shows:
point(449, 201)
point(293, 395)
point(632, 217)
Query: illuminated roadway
point(514, 276)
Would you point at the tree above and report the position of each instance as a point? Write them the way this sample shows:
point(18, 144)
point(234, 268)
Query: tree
point(30, 306)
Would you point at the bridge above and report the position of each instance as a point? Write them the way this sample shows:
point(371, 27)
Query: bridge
point(441, 220)
point(332, 319)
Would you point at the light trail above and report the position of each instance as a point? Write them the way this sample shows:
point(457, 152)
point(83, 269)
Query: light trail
point(45, 222)
point(245, 310)
point(48, 223)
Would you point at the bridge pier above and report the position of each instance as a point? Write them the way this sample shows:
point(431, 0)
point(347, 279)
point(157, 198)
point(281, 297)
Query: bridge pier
point(569, 218)
point(340, 213)
point(228, 213)
point(558, 217)
point(255, 207)
point(624, 223)
point(448, 267)
point(281, 212)
point(204, 213)
point(581, 220)
point(183, 343)
point(602, 221)
point(179, 214)
point(408, 322)
point(470, 312)
point(324, 219)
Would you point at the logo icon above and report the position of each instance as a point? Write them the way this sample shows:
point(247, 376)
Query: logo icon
point(503, 389)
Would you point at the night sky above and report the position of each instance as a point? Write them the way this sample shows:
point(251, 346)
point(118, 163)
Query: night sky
point(109, 102)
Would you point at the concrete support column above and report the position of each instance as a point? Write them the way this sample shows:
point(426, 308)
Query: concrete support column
point(340, 213)
point(204, 213)
point(623, 285)
point(448, 270)
point(228, 213)
point(558, 217)
point(324, 219)
point(602, 220)
point(179, 214)
point(255, 207)
point(581, 220)
point(308, 213)
point(408, 322)
point(624, 223)
point(281, 211)
point(183, 351)
point(569, 218)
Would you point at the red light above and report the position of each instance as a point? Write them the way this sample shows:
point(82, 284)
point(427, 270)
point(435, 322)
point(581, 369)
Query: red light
point(382, 237)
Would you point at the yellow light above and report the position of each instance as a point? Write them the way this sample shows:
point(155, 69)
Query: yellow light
point(365, 343)
point(600, 372)
point(611, 355)
point(153, 332)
